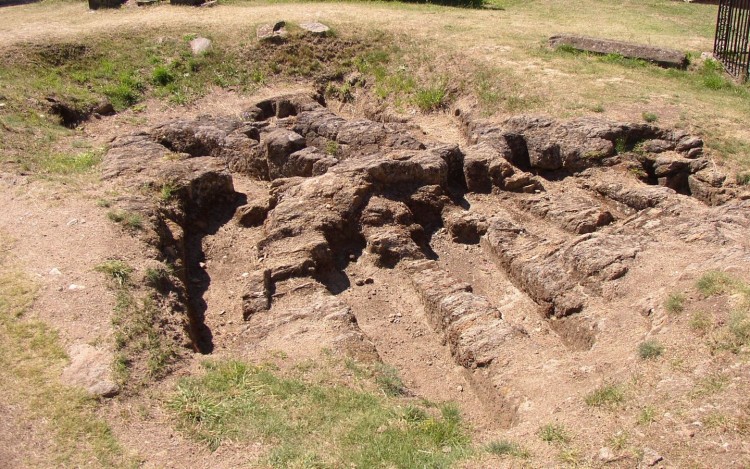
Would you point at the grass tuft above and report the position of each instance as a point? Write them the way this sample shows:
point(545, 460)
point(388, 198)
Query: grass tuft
point(130, 220)
point(608, 396)
point(650, 117)
point(647, 416)
point(675, 303)
point(650, 349)
point(507, 448)
point(117, 270)
point(431, 98)
point(67, 164)
point(713, 283)
point(554, 433)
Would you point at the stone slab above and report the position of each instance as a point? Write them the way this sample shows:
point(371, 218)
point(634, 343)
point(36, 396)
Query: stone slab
point(657, 55)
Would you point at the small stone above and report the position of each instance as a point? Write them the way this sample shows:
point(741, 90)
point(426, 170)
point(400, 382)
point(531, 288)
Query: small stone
point(447, 449)
point(359, 282)
point(651, 457)
point(352, 257)
point(369, 281)
point(55, 271)
point(200, 45)
point(460, 389)
point(272, 32)
point(222, 312)
point(245, 274)
point(73, 286)
point(315, 28)
point(606, 455)
point(90, 369)
point(72, 222)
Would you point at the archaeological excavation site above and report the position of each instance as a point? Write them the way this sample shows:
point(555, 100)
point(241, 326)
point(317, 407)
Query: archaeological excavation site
point(323, 250)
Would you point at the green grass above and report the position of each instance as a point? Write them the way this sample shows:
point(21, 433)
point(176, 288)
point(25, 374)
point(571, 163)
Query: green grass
point(431, 98)
point(317, 425)
point(734, 336)
point(647, 416)
point(650, 117)
point(608, 396)
point(713, 283)
point(129, 220)
point(675, 303)
point(144, 337)
point(700, 322)
point(554, 433)
point(31, 360)
point(69, 164)
point(650, 349)
point(117, 270)
point(508, 448)
point(710, 385)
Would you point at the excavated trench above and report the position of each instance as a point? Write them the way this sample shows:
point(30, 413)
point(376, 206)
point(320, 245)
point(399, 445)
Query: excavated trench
point(528, 215)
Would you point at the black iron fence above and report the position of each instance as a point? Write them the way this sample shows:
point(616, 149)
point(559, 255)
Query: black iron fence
point(731, 46)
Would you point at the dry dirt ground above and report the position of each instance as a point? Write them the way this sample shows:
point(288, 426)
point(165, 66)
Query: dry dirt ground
point(519, 287)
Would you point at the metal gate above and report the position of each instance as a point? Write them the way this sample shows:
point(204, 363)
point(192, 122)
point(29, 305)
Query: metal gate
point(732, 33)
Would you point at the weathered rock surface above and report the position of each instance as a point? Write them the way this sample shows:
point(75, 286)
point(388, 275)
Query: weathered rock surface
point(565, 211)
point(90, 368)
point(272, 32)
point(657, 55)
point(474, 329)
point(200, 45)
point(318, 29)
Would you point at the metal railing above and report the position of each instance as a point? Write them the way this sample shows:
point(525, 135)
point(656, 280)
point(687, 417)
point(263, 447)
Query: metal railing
point(731, 46)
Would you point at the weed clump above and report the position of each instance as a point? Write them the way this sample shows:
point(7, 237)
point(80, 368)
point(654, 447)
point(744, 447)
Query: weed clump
point(129, 220)
point(650, 349)
point(554, 433)
point(117, 270)
point(713, 283)
point(431, 98)
point(675, 303)
point(607, 396)
point(650, 117)
point(508, 448)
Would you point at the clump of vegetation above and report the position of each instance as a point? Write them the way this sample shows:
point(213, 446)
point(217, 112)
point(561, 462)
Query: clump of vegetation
point(162, 76)
point(712, 76)
point(647, 416)
point(621, 145)
point(713, 283)
point(508, 448)
point(117, 270)
point(650, 117)
point(389, 381)
point(130, 220)
point(69, 164)
point(431, 98)
point(743, 178)
point(385, 376)
point(650, 349)
point(142, 339)
point(314, 424)
point(157, 277)
point(700, 322)
point(554, 433)
point(608, 396)
point(710, 385)
point(675, 303)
